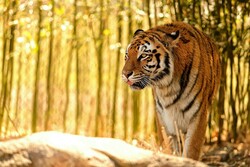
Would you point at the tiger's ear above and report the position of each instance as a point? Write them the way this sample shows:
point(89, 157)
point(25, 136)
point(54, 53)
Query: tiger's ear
point(174, 35)
point(172, 39)
point(138, 32)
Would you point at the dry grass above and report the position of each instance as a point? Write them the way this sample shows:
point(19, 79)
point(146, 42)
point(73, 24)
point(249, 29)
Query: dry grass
point(166, 145)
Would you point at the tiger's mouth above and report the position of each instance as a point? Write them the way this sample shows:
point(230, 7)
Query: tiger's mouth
point(137, 86)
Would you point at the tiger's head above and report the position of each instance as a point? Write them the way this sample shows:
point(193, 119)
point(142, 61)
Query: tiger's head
point(149, 59)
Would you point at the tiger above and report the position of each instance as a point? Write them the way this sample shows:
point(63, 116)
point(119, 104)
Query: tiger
point(182, 66)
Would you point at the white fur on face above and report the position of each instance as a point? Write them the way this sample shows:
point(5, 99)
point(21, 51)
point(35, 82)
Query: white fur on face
point(144, 48)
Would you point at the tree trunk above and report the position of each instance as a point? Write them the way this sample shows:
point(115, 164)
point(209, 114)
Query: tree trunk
point(99, 64)
point(117, 74)
point(231, 58)
point(148, 13)
point(78, 103)
point(220, 105)
point(49, 76)
point(175, 11)
point(10, 63)
point(37, 73)
point(180, 16)
point(7, 62)
point(125, 87)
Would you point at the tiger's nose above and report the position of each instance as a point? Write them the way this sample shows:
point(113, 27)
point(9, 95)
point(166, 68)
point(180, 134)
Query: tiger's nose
point(127, 74)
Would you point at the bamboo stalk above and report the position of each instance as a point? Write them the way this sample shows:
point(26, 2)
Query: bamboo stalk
point(148, 13)
point(3, 76)
point(37, 73)
point(125, 87)
point(78, 103)
point(99, 72)
point(10, 62)
point(50, 63)
point(117, 67)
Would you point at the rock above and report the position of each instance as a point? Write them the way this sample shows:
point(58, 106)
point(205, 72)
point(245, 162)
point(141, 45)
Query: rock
point(55, 149)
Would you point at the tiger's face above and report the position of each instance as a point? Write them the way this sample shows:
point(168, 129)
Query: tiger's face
point(147, 61)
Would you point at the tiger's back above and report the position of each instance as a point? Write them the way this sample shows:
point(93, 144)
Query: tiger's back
point(182, 65)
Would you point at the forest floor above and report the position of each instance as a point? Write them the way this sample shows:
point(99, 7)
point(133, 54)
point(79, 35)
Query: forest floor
point(227, 154)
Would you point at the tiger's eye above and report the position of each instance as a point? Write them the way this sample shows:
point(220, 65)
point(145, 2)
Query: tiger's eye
point(149, 59)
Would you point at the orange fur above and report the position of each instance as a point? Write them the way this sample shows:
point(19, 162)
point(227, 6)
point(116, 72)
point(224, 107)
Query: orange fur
point(182, 65)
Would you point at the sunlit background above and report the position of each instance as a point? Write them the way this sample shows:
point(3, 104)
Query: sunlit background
point(61, 64)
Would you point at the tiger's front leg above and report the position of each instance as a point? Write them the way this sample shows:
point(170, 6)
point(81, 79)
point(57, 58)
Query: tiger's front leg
point(195, 137)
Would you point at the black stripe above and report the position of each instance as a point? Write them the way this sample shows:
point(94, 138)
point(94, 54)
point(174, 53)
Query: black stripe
point(139, 58)
point(196, 75)
point(193, 100)
point(170, 25)
point(167, 63)
point(157, 56)
point(199, 41)
point(184, 80)
point(183, 83)
point(212, 49)
point(154, 51)
point(184, 40)
point(147, 70)
point(191, 103)
point(196, 113)
point(165, 71)
point(155, 35)
point(159, 103)
point(158, 37)
point(151, 38)
point(190, 33)
point(162, 31)
point(150, 66)
point(202, 108)
point(212, 64)
point(199, 32)
point(161, 74)
point(147, 42)
point(142, 35)
point(185, 76)
point(147, 50)
point(202, 36)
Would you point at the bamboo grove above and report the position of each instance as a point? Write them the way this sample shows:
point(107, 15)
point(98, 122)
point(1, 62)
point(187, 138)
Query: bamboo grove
point(61, 65)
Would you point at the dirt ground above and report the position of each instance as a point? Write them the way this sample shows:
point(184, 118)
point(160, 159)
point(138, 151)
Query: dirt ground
point(224, 155)
point(227, 154)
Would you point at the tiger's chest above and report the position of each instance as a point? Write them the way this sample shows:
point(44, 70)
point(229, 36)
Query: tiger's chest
point(170, 113)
